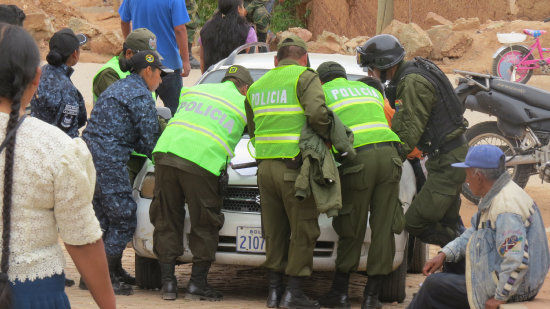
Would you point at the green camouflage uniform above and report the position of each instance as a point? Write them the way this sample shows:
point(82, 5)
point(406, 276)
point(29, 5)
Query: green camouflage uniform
point(435, 210)
point(258, 15)
point(193, 24)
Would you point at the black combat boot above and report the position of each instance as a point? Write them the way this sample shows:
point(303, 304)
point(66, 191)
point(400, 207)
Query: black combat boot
point(82, 284)
point(169, 282)
point(119, 287)
point(195, 64)
point(294, 297)
point(198, 287)
point(276, 289)
point(337, 297)
point(372, 289)
point(124, 275)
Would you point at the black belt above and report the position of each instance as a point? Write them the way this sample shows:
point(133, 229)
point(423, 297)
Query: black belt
point(450, 145)
point(375, 145)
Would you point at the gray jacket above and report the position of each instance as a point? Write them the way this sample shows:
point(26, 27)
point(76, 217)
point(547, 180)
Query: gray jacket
point(506, 248)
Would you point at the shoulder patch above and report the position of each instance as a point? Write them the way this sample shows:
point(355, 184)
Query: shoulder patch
point(509, 244)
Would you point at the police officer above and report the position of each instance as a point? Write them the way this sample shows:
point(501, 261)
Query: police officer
point(212, 116)
point(370, 183)
point(259, 13)
point(124, 118)
point(429, 116)
point(117, 68)
point(57, 101)
point(138, 40)
point(278, 105)
point(192, 25)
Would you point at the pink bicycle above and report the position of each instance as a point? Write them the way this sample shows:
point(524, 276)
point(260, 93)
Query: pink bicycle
point(517, 62)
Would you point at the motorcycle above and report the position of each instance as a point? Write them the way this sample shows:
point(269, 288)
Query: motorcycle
point(522, 129)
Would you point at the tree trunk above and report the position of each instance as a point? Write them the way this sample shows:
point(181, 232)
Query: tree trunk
point(385, 15)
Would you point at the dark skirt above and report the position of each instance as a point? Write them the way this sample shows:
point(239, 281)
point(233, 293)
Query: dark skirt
point(41, 293)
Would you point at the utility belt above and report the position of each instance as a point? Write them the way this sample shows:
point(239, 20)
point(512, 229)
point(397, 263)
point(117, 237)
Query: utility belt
point(375, 145)
point(448, 146)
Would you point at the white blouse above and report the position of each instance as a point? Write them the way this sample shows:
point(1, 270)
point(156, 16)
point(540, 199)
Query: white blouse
point(53, 186)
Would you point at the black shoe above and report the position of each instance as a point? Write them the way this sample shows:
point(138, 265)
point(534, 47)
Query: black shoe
point(370, 295)
point(124, 275)
point(198, 287)
point(202, 291)
point(82, 284)
point(276, 290)
point(169, 282)
point(335, 299)
point(297, 300)
point(119, 287)
point(69, 282)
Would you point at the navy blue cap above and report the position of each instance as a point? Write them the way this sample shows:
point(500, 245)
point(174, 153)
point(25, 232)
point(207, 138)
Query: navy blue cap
point(482, 156)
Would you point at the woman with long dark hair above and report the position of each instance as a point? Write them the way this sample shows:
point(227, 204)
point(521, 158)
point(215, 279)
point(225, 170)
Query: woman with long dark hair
point(57, 101)
point(46, 186)
point(225, 31)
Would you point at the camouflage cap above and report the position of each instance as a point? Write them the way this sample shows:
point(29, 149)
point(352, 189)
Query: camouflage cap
point(141, 39)
point(330, 69)
point(292, 40)
point(240, 73)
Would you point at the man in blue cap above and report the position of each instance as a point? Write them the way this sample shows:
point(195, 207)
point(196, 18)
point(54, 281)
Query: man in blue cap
point(506, 249)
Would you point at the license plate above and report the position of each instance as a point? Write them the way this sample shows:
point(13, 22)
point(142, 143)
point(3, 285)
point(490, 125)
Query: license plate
point(249, 239)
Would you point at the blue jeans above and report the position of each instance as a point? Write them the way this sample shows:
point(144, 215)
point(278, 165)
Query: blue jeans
point(170, 89)
point(441, 291)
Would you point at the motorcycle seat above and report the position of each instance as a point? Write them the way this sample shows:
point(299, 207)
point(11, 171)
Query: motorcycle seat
point(530, 95)
point(534, 33)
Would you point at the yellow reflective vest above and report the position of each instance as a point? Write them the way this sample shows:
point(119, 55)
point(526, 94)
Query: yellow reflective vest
point(361, 108)
point(278, 115)
point(207, 125)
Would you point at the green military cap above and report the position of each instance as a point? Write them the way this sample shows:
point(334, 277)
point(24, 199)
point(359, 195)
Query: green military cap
point(238, 72)
point(292, 40)
point(141, 39)
point(329, 70)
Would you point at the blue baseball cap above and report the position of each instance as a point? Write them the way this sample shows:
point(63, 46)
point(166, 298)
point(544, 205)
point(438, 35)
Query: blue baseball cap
point(482, 156)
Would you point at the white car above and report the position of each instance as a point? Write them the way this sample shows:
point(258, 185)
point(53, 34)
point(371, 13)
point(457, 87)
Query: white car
point(240, 239)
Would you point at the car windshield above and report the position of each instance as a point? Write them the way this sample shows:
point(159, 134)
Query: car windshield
point(216, 76)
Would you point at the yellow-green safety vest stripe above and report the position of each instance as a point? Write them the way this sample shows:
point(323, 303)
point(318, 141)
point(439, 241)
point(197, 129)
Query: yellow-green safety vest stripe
point(278, 115)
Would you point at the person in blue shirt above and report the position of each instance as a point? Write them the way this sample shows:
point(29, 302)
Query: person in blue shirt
point(57, 101)
point(123, 119)
point(166, 19)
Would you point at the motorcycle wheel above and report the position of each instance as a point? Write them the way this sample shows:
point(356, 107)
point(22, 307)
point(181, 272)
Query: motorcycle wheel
point(507, 59)
point(489, 133)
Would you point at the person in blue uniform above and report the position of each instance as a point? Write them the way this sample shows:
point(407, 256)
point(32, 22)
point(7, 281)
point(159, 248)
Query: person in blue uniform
point(123, 119)
point(57, 101)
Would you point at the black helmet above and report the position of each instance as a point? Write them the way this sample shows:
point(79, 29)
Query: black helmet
point(380, 52)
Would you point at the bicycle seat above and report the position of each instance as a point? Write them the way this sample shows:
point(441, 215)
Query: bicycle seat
point(534, 33)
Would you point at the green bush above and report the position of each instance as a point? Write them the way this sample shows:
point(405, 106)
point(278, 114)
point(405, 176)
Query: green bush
point(283, 15)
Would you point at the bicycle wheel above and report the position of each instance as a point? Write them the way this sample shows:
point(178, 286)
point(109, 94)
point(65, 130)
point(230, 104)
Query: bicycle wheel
point(507, 60)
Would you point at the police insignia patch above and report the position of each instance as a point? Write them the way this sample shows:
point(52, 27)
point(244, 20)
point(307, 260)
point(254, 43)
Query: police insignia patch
point(233, 70)
point(152, 43)
point(149, 58)
point(509, 244)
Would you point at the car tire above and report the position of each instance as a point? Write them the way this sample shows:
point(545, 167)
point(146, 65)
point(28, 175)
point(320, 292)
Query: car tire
point(148, 273)
point(418, 254)
point(393, 286)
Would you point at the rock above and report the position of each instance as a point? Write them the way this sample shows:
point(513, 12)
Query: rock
point(333, 43)
point(457, 44)
point(446, 61)
point(109, 42)
point(39, 25)
point(352, 44)
point(79, 25)
point(466, 24)
point(415, 40)
point(438, 36)
point(433, 19)
point(304, 34)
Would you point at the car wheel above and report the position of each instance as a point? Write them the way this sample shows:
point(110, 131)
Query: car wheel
point(148, 273)
point(418, 254)
point(393, 286)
